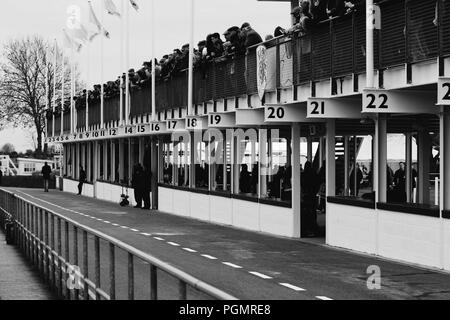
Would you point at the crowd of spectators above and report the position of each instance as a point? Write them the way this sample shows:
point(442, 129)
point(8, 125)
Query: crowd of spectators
point(213, 49)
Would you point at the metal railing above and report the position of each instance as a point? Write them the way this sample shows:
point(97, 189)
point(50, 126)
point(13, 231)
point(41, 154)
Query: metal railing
point(41, 234)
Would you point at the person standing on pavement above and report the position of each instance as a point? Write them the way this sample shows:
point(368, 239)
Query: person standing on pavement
point(82, 180)
point(137, 184)
point(46, 172)
point(147, 187)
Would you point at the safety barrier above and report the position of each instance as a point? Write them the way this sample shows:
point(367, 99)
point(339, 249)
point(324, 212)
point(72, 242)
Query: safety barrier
point(41, 234)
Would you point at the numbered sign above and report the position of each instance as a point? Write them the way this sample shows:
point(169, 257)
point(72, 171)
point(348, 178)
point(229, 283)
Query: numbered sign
point(176, 125)
point(196, 123)
point(443, 91)
point(334, 108)
point(250, 117)
point(221, 120)
point(398, 101)
point(158, 127)
point(287, 113)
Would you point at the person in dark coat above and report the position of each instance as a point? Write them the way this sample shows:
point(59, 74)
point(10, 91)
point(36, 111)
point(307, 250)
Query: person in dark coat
point(310, 185)
point(1, 177)
point(335, 8)
point(318, 10)
point(251, 36)
point(400, 184)
point(147, 187)
point(244, 180)
point(46, 172)
point(82, 180)
point(137, 184)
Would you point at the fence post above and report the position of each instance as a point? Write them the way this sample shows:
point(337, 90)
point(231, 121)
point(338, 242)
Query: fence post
point(75, 257)
point(130, 277)
point(58, 256)
point(112, 272)
point(67, 256)
point(153, 283)
point(85, 265)
point(97, 267)
point(182, 290)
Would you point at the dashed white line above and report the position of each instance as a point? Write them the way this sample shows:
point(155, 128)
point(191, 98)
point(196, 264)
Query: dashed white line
point(124, 227)
point(324, 298)
point(235, 266)
point(115, 225)
point(146, 234)
point(290, 286)
point(107, 222)
point(208, 257)
point(260, 275)
point(173, 244)
point(159, 239)
point(189, 250)
point(134, 230)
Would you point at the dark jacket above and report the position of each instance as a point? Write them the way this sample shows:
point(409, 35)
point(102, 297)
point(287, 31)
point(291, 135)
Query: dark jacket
point(252, 38)
point(337, 7)
point(83, 176)
point(46, 172)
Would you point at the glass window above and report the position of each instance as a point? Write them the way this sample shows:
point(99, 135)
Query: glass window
point(276, 171)
point(167, 156)
point(246, 162)
point(219, 153)
point(182, 162)
point(201, 166)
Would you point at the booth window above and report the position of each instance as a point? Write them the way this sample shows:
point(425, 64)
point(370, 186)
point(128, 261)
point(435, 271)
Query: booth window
point(182, 153)
point(219, 153)
point(276, 169)
point(201, 166)
point(246, 163)
point(167, 156)
point(413, 156)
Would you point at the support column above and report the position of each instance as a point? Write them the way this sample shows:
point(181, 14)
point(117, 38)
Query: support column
point(154, 167)
point(310, 149)
point(346, 166)
point(264, 162)
point(130, 160)
point(445, 160)
point(89, 161)
point(423, 183)
point(105, 160)
point(192, 154)
point(330, 166)
point(296, 179)
point(113, 161)
point(121, 160)
point(141, 150)
point(380, 160)
point(78, 152)
point(95, 160)
point(409, 177)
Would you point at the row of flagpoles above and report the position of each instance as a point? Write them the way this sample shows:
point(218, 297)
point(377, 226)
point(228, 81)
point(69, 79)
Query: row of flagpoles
point(77, 37)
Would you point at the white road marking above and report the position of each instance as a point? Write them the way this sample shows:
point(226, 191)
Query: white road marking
point(146, 234)
point(189, 250)
point(173, 244)
point(260, 275)
point(115, 225)
point(135, 230)
point(290, 286)
point(159, 239)
point(209, 257)
point(107, 222)
point(235, 266)
point(124, 227)
point(324, 298)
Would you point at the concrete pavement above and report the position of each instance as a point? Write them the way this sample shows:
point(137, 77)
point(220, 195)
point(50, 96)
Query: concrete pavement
point(18, 280)
point(245, 264)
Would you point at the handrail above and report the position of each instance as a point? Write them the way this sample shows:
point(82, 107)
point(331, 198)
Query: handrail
point(183, 277)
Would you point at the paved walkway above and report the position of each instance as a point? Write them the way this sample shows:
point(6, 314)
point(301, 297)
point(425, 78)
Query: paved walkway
point(245, 264)
point(18, 281)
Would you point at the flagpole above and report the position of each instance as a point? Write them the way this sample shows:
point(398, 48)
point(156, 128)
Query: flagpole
point(121, 61)
point(153, 62)
point(71, 91)
point(191, 57)
point(54, 87)
point(47, 87)
point(127, 65)
point(63, 82)
point(87, 84)
point(102, 90)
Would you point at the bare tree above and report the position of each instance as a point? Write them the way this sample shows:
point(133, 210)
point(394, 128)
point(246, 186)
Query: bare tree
point(28, 64)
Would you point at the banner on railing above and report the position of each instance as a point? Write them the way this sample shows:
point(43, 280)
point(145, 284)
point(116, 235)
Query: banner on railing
point(261, 70)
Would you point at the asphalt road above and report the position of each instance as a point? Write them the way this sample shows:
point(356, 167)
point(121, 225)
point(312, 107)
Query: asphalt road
point(247, 265)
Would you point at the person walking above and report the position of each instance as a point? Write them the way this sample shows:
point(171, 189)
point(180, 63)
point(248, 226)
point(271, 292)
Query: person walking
point(147, 187)
point(82, 180)
point(46, 172)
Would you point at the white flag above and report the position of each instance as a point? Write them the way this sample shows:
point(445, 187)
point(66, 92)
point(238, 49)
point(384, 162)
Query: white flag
point(135, 5)
point(80, 35)
point(69, 43)
point(111, 8)
point(94, 20)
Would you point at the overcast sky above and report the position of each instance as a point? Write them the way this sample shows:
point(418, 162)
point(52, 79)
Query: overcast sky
point(48, 17)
